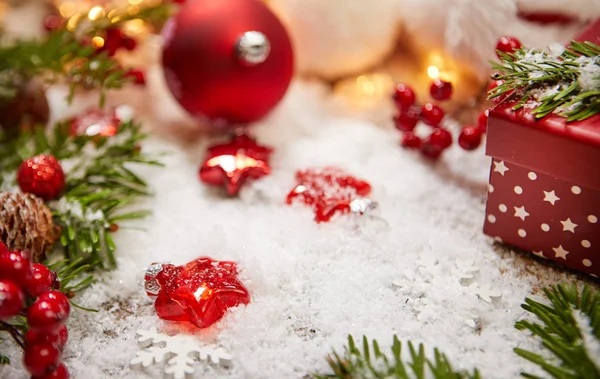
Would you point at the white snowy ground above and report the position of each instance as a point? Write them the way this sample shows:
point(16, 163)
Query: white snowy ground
point(312, 285)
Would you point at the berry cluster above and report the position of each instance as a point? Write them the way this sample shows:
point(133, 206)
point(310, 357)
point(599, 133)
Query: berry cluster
point(431, 114)
point(29, 290)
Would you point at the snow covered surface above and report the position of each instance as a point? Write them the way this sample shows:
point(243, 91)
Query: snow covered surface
point(419, 268)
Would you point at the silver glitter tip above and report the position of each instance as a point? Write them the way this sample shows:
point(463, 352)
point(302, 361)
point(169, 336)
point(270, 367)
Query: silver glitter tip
point(253, 48)
point(362, 205)
point(149, 281)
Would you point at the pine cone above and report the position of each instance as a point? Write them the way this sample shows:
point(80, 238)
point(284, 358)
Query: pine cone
point(26, 224)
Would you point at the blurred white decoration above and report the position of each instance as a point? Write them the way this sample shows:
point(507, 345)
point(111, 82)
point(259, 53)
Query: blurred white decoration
point(466, 30)
point(180, 352)
point(336, 38)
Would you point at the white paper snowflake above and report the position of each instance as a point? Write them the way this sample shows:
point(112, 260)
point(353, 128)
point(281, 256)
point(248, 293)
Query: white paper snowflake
point(485, 293)
point(465, 271)
point(179, 351)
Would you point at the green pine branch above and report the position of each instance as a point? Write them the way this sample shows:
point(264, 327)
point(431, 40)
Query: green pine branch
point(65, 56)
point(529, 73)
point(100, 189)
point(371, 362)
point(569, 332)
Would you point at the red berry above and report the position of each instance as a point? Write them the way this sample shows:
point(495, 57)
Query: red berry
point(440, 90)
point(138, 76)
point(42, 176)
point(440, 138)
point(470, 138)
point(129, 43)
point(411, 141)
point(431, 151)
point(48, 314)
point(15, 267)
point(41, 359)
point(407, 119)
point(58, 298)
point(482, 120)
point(507, 45)
point(42, 280)
point(53, 22)
point(57, 338)
point(404, 96)
point(431, 114)
point(61, 372)
point(11, 299)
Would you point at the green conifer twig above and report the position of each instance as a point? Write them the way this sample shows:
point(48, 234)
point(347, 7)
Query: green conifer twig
point(528, 73)
point(561, 333)
point(371, 362)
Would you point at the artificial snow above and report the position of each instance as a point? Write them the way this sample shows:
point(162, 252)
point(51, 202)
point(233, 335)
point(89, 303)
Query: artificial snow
point(419, 266)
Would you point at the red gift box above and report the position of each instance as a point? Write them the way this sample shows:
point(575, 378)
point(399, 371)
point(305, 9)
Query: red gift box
point(544, 189)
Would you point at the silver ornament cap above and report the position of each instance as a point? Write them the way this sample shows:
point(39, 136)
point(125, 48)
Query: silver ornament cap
point(253, 48)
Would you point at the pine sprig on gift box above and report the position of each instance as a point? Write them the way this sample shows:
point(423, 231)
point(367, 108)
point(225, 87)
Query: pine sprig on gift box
point(100, 186)
point(565, 81)
point(569, 332)
point(371, 362)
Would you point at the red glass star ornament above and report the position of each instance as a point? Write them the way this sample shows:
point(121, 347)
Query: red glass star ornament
point(199, 292)
point(330, 190)
point(94, 123)
point(232, 163)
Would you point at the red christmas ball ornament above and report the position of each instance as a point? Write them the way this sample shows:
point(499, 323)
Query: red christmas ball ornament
point(11, 299)
point(470, 138)
point(42, 176)
point(199, 292)
point(507, 45)
point(440, 90)
point(229, 61)
point(41, 359)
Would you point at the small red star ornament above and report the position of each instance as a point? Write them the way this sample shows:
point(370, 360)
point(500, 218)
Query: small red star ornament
point(95, 122)
point(232, 163)
point(200, 291)
point(329, 191)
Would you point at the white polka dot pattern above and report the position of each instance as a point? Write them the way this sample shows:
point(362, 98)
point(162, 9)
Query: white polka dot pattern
point(552, 218)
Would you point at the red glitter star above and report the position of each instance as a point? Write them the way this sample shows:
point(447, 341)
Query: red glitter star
point(232, 163)
point(330, 190)
point(199, 292)
point(95, 123)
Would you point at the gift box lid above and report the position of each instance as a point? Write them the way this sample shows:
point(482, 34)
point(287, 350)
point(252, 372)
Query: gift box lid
point(565, 150)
